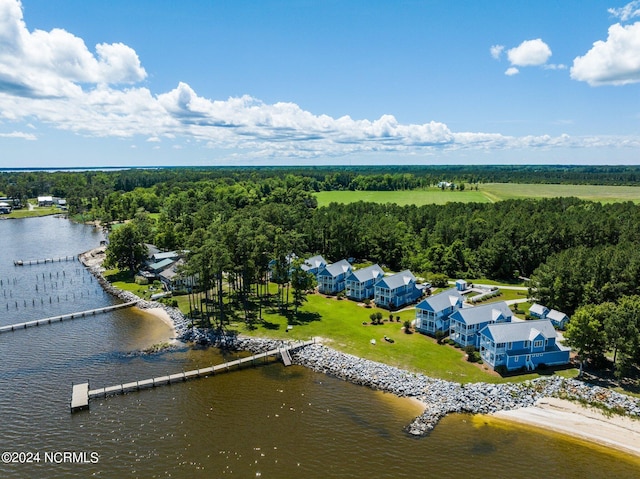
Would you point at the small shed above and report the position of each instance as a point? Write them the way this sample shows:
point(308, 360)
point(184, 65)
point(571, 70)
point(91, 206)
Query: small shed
point(461, 285)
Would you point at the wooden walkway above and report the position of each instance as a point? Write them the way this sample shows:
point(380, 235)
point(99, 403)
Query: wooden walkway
point(29, 262)
point(64, 317)
point(81, 393)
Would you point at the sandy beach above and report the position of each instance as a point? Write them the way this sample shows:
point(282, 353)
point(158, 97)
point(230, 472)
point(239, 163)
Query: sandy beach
point(161, 314)
point(570, 418)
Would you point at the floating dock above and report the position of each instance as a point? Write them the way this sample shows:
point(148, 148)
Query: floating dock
point(29, 262)
point(81, 394)
point(65, 317)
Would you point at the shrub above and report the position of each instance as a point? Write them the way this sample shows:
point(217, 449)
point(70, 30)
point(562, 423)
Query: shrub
point(440, 336)
point(407, 326)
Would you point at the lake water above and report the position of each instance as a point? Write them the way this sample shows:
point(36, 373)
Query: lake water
point(269, 421)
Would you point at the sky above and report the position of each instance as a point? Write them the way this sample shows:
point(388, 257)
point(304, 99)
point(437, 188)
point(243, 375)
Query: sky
point(88, 83)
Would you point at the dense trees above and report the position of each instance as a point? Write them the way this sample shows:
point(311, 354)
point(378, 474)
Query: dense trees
point(582, 257)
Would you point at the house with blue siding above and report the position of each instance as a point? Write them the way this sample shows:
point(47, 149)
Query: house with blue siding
point(360, 283)
point(397, 290)
point(432, 313)
point(331, 278)
point(538, 311)
point(314, 264)
point(558, 319)
point(525, 344)
point(466, 323)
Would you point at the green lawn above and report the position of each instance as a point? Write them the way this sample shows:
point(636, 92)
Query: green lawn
point(36, 211)
point(487, 192)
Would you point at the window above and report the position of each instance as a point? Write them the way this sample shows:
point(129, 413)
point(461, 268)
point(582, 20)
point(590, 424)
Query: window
point(509, 345)
point(537, 344)
point(527, 344)
point(516, 359)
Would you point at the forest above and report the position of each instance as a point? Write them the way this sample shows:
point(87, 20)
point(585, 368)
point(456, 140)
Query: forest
point(577, 254)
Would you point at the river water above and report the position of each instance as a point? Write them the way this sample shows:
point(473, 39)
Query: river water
point(268, 421)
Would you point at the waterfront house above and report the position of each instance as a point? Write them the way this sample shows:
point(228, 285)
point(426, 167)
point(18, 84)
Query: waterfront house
point(526, 344)
point(538, 311)
point(314, 264)
point(45, 200)
point(558, 318)
point(173, 255)
point(466, 323)
point(432, 313)
point(397, 290)
point(331, 278)
point(360, 283)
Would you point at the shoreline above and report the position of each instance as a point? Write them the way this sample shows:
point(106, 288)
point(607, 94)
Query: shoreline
point(162, 315)
point(574, 420)
point(516, 402)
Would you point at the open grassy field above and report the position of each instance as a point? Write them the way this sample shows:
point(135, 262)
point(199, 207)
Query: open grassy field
point(488, 192)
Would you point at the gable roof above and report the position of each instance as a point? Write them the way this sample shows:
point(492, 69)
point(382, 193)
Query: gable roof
point(557, 316)
point(365, 274)
point(161, 264)
point(441, 301)
point(538, 309)
point(482, 314)
point(521, 331)
point(335, 269)
point(165, 255)
point(313, 262)
point(396, 280)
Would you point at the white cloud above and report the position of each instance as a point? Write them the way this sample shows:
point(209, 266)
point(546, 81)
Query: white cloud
point(615, 61)
point(629, 11)
point(19, 134)
point(511, 71)
point(496, 51)
point(529, 53)
point(52, 78)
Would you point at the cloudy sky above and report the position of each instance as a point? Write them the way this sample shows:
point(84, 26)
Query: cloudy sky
point(160, 82)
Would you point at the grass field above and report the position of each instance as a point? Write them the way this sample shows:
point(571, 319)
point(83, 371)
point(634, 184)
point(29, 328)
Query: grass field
point(488, 192)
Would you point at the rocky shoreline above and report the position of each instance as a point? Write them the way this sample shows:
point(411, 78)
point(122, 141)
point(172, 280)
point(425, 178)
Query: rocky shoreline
point(440, 397)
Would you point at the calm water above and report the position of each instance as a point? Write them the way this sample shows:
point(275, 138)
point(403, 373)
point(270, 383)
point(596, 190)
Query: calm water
point(269, 421)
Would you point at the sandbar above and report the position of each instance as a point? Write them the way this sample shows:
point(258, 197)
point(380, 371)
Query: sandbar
point(590, 424)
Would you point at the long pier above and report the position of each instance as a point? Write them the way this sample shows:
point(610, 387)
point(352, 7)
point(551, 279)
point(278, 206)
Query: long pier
point(81, 394)
point(64, 317)
point(29, 262)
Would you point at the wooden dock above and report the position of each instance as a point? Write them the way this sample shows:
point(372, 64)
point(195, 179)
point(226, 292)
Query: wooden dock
point(81, 393)
point(64, 317)
point(29, 262)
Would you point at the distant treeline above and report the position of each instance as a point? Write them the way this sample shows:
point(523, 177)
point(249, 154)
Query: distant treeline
point(322, 178)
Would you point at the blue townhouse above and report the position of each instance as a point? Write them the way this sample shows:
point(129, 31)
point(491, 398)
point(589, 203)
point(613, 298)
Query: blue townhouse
point(397, 290)
point(360, 283)
point(538, 311)
point(526, 344)
point(314, 265)
point(432, 313)
point(466, 323)
point(331, 278)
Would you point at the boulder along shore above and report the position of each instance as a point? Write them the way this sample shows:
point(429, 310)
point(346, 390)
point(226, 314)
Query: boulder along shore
point(440, 397)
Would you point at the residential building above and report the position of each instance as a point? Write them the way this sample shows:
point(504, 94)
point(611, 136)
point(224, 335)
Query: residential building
point(331, 278)
point(466, 323)
point(527, 344)
point(314, 264)
point(360, 283)
point(558, 319)
point(538, 311)
point(432, 313)
point(397, 290)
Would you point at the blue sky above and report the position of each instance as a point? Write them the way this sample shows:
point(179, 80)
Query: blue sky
point(159, 82)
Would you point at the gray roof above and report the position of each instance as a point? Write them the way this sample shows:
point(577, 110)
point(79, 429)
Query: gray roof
point(440, 301)
point(365, 274)
point(521, 331)
point(335, 269)
point(397, 280)
point(313, 262)
point(555, 315)
point(483, 314)
point(168, 254)
point(538, 309)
